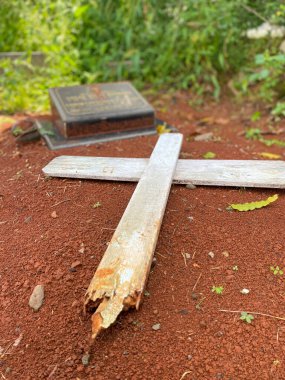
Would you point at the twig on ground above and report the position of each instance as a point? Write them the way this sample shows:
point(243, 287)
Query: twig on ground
point(254, 312)
point(194, 287)
point(185, 374)
point(58, 203)
point(183, 255)
point(161, 255)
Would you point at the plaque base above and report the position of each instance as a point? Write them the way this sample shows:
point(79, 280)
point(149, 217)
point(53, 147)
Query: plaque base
point(55, 140)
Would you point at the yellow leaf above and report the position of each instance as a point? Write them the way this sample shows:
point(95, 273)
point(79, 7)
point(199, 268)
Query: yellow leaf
point(162, 128)
point(209, 155)
point(271, 156)
point(253, 205)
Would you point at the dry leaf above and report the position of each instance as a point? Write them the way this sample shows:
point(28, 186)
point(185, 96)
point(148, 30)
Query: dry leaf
point(271, 156)
point(162, 128)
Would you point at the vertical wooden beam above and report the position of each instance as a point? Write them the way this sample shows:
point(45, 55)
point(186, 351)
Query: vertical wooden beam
point(120, 278)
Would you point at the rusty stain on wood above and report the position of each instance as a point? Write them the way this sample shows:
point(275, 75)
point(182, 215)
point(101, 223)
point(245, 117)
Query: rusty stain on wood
point(120, 279)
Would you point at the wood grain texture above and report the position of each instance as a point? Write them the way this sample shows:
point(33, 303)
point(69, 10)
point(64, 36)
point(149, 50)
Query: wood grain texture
point(246, 173)
point(122, 273)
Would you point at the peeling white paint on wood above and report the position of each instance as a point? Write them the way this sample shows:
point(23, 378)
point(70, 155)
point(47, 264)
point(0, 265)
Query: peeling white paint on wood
point(120, 278)
point(245, 173)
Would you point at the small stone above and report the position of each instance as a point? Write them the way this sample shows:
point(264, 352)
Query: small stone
point(82, 248)
point(85, 359)
point(211, 254)
point(190, 186)
point(189, 357)
point(194, 296)
point(37, 297)
point(54, 215)
point(156, 327)
point(204, 137)
point(183, 312)
point(191, 218)
point(225, 254)
point(75, 264)
point(187, 255)
point(155, 311)
point(154, 261)
point(126, 353)
point(244, 291)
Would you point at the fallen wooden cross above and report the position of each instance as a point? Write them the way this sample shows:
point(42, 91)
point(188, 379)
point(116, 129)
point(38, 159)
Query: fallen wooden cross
point(242, 173)
point(121, 276)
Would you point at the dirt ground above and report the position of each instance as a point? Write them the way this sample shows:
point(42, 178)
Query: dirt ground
point(195, 341)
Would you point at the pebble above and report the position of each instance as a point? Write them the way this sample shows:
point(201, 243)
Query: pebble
point(244, 291)
point(204, 137)
point(75, 264)
point(154, 261)
point(37, 297)
point(194, 296)
point(189, 357)
point(225, 254)
point(211, 254)
point(54, 214)
point(85, 359)
point(183, 312)
point(156, 327)
point(190, 186)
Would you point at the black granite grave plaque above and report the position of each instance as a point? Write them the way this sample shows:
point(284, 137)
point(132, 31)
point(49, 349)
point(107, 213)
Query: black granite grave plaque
point(99, 109)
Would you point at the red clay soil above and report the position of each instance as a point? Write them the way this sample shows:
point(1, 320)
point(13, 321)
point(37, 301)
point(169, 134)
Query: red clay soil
point(195, 341)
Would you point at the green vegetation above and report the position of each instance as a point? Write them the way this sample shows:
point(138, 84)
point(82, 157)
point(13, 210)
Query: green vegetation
point(197, 44)
point(217, 289)
point(277, 271)
point(248, 318)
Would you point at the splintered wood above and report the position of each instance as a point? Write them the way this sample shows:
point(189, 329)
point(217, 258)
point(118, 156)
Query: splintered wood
point(242, 173)
point(120, 278)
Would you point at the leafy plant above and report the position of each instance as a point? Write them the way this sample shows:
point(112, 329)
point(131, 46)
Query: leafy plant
point(164, 43)
point(217, 289)
point(277, 271)
point(96, 205)
point(253, 134)
point(254, 205)
point(255, 116)
point(248, 318)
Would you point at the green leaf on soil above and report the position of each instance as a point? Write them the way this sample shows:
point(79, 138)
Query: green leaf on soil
point(254, 205)
point(209, 155)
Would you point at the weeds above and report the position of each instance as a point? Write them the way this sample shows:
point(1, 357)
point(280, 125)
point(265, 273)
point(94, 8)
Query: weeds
point(217, 289)
point(248, 318)
point(180, 45)
point(277, 271)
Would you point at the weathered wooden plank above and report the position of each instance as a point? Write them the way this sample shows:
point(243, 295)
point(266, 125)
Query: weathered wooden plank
point(246, 173)
point(120, 278)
